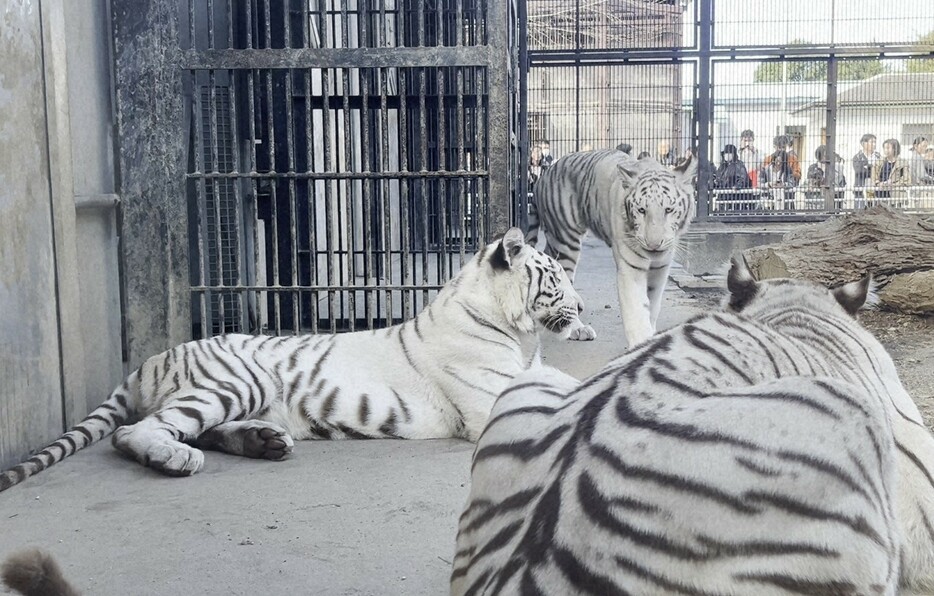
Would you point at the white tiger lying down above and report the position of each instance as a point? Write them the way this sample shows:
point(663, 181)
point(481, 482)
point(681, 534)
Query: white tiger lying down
point(767, 449)
point(434, 376)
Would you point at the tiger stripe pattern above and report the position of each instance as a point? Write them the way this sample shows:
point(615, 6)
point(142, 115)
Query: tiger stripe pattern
point(434, 376)
point(639, 208)
point(768, 448)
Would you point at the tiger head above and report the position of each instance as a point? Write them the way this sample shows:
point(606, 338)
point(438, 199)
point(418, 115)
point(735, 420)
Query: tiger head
point(657, 202)
point(530, 287)
point(762, 299)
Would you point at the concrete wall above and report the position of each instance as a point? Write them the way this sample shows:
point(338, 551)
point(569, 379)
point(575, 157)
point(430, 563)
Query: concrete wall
point(59, 305)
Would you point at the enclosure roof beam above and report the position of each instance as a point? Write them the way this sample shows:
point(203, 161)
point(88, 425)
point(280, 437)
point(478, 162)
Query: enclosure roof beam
point(655, 56)
point(337, 58)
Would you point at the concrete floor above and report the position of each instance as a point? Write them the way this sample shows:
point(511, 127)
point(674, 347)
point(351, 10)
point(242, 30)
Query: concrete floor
point(337, 518)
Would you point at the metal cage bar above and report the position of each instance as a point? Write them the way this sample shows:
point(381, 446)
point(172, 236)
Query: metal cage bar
point(371, 142)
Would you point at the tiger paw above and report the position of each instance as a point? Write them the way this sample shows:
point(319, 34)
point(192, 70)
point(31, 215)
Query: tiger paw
point(267, 442)
point(175, 459)
point(582, 333)
point(155, 450)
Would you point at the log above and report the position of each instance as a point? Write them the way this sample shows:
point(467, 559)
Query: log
point(888, 244)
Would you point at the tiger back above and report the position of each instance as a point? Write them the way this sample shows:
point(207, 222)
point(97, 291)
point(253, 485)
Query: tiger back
point(434, 376)
point(639, 208)
point(766, 449)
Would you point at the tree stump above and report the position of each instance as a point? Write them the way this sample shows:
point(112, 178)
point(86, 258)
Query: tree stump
point(895, 247)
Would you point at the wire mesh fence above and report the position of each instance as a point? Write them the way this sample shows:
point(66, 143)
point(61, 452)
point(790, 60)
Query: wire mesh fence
point(777, 101)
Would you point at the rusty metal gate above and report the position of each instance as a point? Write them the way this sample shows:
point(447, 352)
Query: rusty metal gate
point(332, 162)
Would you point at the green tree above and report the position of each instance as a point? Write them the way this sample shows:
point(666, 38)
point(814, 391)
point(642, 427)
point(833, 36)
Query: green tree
point(798, 72)
point(925, 43)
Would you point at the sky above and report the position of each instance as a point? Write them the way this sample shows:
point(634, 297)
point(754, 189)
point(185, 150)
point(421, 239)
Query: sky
point(751, 22)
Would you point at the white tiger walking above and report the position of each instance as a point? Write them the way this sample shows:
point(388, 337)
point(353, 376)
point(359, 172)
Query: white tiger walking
point(767, 449)
point(639, 208)
point(434, 376)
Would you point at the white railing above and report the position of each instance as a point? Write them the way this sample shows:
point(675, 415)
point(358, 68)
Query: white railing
point(811, 199)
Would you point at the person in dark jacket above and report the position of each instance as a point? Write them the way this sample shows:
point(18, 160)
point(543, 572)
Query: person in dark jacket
point(818, 178)
point(732, 175)
point(863, 162)
point(778, 179)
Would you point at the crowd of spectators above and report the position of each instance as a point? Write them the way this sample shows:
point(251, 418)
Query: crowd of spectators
point(777, 174)
point(754, 179)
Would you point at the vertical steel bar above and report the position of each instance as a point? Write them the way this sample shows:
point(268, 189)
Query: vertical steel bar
point(499, 120)
point(366, 75)
point(261, 298)
point(704, 111)
point(238, 197)
point(290, 155)
point(831, 124)
point(349, 184)
point(404, 229)
point(273, 181)
point(577, 75)
point(237, 182)
point(461, 166)
point(191, 25)
point(312, 188)
point(522, 218)
point(200, 201)
point(423, 169)
point(385, 202)
point(482, 185)
point(328, 137)
point(385, 186)
point(218, 221)
point(442, 182)
point(210, 24)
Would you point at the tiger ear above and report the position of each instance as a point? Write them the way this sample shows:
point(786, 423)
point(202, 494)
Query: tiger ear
point(628, 168)
point(508, 249)
point(687, 167)
point(741, 284)
point(852, 296)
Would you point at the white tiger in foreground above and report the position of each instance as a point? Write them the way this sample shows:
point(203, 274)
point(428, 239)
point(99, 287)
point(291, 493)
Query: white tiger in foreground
point(434, 376)
point(639, 208)
point(767, 449)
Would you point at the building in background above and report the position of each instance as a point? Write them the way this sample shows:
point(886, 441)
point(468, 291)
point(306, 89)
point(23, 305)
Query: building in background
point(601, 105)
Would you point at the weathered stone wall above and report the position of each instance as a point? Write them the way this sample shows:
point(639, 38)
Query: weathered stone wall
point(59, 292)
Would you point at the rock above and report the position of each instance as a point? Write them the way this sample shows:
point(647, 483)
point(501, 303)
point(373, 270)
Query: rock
point(910, 293)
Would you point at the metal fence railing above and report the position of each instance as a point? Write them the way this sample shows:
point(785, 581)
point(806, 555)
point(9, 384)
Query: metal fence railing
point(736, 83)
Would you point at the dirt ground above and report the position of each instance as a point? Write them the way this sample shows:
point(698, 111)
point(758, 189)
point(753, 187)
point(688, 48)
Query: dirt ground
point(910, 341)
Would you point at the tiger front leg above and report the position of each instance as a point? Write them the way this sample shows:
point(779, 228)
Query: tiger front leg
point(657, 278)
point(578, 330)
point(152, 444)
point(159, 440)
point(635, 308)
